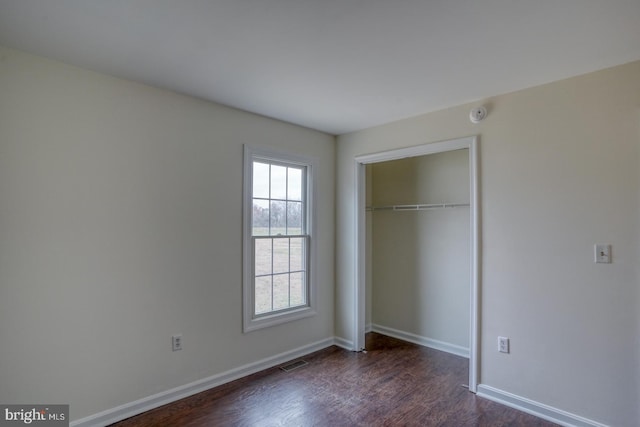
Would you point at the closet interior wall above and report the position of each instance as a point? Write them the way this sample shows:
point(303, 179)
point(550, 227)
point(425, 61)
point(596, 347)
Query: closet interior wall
point(418, 269)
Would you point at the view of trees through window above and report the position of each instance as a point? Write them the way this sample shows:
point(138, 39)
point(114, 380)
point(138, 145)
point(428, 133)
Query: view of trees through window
point(279, 237)
point(278, 216)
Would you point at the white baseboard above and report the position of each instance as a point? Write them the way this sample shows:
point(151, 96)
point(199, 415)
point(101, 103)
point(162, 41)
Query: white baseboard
point(127, 410)
point(424, 341)
point(538, 409)
point(368, 328)
point(343, 343)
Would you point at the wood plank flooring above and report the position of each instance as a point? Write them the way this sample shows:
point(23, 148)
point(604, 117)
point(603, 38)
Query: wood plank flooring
point(394, 383)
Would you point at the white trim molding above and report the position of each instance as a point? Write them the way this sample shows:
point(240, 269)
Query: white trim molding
point(343, 343)
point(127, 410)
point(130, 409)
point(251, 321)
point(470, 143)
point(423, 341)
point(538, 409)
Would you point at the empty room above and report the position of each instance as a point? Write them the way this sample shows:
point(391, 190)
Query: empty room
point(327, 213)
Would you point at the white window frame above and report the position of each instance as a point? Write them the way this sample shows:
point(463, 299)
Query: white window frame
point(251, 321)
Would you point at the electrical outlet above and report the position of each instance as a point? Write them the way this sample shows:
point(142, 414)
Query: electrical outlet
point(176, 341)
point(503, 344)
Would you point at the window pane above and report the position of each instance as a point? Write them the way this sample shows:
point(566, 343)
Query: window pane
point(260, 180)
point(263, 294)
point(294, 184)
point(294, 218)
point(260, 217)
point(278, 218)
point(278, 182)
point(280, 255)
point(262, 256)
point(280, 291)
point(277, 263)
point(297, 290)
point(296, 254)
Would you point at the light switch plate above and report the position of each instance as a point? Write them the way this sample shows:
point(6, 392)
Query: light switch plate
point(602, 254)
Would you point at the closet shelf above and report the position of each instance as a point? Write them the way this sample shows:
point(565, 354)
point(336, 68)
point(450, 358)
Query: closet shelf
point(422, 207)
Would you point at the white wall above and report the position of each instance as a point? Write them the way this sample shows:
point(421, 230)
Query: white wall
point(559, 171)
point(120, 225)
point(420, 259)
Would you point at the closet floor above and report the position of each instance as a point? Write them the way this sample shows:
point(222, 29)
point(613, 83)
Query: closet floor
point(394, 383)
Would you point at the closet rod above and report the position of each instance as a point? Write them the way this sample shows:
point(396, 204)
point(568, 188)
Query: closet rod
point(422, 207)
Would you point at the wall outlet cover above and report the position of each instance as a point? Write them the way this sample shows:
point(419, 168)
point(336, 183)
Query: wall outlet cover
point(503, 344)
point(176, 342)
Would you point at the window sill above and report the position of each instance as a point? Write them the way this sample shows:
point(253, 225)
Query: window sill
point(277, 318)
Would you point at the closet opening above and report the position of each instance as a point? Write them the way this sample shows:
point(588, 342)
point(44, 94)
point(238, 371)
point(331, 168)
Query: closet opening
point(417, 247)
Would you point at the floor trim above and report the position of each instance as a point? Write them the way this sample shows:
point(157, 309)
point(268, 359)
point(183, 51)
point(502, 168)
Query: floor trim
point(127, 410)
point(420, 340)
point(538, 409)
point(343, 343)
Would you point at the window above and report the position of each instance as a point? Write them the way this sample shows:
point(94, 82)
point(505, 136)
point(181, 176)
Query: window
point(278, 243)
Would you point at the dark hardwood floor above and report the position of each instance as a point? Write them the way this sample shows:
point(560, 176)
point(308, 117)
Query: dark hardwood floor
point(394, 383)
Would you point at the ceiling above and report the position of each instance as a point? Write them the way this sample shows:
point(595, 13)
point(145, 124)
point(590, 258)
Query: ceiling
point(332, 65)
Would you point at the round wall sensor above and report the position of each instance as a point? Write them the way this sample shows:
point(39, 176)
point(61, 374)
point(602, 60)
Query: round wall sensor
point(478, 114)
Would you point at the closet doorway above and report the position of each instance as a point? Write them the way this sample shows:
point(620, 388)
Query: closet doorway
point(455, 214)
